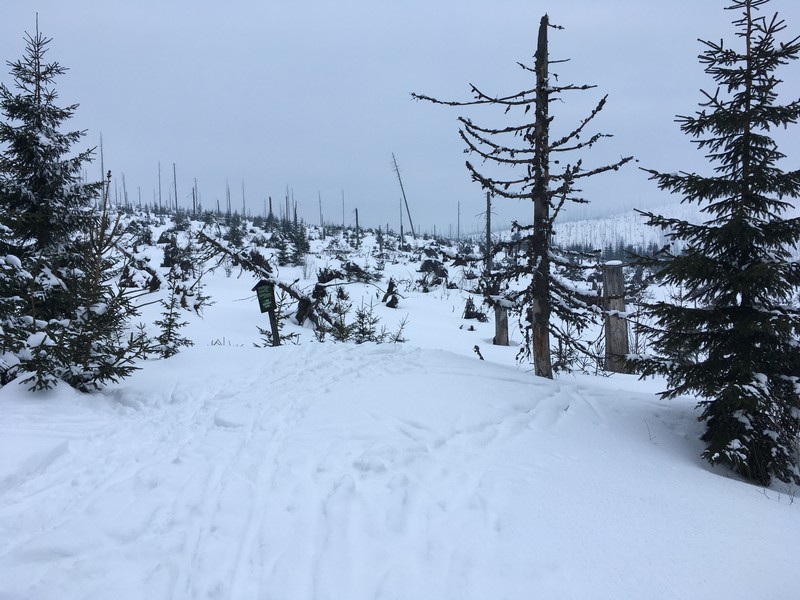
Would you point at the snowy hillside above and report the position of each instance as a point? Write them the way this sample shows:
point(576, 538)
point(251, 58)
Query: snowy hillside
point(627, 228)
point(373, 471)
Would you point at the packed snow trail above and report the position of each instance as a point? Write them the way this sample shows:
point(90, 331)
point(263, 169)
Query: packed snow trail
point(383, 472)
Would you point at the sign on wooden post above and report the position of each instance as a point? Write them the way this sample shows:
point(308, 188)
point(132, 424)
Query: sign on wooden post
point(265, 292)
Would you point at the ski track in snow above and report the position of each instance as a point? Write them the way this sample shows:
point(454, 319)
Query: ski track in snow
point(249, 481)
point(207, 481)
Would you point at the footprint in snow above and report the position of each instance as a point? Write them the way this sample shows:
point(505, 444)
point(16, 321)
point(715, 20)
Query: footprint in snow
point(227, 418)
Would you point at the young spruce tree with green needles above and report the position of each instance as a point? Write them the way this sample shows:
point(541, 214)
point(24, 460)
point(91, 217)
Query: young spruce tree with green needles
point(61, 316)
point(733, 338)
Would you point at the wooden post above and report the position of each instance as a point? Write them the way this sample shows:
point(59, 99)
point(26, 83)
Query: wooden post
point(500, 326)
point(273, 323)
point(616, 326)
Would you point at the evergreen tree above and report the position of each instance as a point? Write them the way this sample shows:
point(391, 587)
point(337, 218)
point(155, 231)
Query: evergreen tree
point(41, 193)
point(170, 340)
point(299, 238)
point(13, 326)
point(88, 343)
point(66, 321)
point(733, 336)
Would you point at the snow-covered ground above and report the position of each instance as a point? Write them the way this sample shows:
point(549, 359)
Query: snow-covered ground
point(392, 471)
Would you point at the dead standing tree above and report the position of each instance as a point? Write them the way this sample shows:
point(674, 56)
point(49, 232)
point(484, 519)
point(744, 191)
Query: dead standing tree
point(548, 290)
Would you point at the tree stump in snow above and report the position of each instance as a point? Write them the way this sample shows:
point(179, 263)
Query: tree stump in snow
point(390, 297)
point(500, 326)
point(616, 326)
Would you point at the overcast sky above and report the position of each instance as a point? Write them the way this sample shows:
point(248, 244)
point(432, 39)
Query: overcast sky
point(314, 95)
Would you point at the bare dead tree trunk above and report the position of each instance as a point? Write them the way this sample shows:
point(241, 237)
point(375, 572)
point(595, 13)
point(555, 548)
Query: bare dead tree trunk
point(488, 232)
point(616, 326)
point(403, 190)
point(500, 312)
point(358, 232)
point(500, 326)
point(159, 185)
point(540, 261)
point(547, 185)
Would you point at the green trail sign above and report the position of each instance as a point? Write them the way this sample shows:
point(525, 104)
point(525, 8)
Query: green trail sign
point(265, 292)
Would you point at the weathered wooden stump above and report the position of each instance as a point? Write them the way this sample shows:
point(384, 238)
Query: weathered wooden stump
point(500, 326)
point(616, 325)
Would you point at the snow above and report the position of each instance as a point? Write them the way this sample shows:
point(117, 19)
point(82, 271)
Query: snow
point(392, 471)
point(99, 309)
point(13, 261)
point(37, 339)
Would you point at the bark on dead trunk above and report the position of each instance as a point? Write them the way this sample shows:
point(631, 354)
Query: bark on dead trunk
point(500, 326)
point(500, 312)
point(616, 326)
point(540, 317)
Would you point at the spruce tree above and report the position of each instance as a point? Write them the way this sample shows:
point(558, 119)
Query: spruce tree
point(13, 278)
point(41, 190)
point(67, 321)
point(170, 340)
point(732, 338)
point(94, 346)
